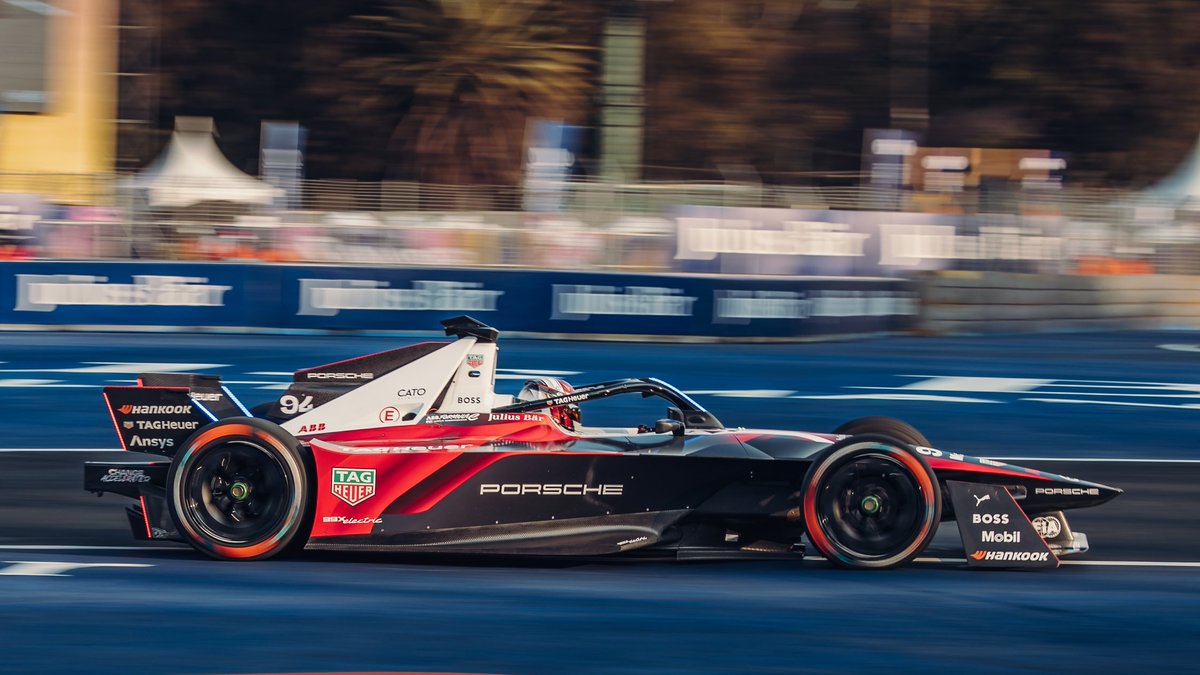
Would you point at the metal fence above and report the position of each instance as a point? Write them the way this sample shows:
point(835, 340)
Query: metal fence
point(567, 225)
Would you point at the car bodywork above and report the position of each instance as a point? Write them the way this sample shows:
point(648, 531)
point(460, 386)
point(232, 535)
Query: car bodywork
point(412, 449)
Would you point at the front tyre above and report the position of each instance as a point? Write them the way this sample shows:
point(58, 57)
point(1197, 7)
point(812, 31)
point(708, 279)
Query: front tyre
point(241, 489)
point(886, 426)
point(870, 503)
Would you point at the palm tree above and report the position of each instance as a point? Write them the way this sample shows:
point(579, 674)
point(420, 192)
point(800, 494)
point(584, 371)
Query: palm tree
point(467, 76)
point(757, 83)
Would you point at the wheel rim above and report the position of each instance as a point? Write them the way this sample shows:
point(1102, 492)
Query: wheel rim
point(238, 494)
point(871, 507)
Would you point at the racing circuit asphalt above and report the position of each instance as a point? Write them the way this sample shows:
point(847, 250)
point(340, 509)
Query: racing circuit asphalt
point(77, 594)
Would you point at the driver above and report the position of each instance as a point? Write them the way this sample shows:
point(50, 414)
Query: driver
point(548, 387)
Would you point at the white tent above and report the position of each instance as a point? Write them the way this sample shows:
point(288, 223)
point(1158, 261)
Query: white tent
point(193, 170)
point(1181, 187)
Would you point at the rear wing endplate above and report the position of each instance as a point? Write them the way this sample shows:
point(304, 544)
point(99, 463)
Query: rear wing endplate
point(159, 414)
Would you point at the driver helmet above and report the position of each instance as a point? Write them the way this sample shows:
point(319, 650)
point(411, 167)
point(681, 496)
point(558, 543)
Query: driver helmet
point(548, 387)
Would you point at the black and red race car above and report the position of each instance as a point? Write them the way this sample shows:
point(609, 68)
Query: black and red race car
point(413, 450)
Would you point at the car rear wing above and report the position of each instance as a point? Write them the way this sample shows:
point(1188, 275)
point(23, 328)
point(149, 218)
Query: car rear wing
point(158, 414)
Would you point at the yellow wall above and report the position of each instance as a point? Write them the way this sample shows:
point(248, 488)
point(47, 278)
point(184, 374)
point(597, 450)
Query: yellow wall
point(77, 132)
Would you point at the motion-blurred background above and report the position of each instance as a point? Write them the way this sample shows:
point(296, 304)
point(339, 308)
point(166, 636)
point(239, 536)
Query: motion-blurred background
point(783, 137)
point(687, 169)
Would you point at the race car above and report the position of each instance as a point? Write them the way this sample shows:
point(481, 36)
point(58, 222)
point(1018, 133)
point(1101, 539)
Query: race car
point(413, 450)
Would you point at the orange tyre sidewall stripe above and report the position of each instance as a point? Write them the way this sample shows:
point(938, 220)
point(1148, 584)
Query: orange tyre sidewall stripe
point(812, 524)
point(205, 439)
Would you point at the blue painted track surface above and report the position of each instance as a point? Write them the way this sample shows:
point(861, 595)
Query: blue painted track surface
point(193, 616)
point(1117, 396)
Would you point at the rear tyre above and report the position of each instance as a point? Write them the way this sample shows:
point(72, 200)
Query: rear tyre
point(262, 411)
point(870, 503)
point(884, 426)
point(242, 489)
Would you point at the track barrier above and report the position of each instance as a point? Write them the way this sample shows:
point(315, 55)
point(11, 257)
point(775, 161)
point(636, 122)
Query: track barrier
point(155, 296)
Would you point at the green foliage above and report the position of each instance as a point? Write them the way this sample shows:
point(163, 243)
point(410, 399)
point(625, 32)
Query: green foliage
point(442, 91)
point(1112, 82)
point(780, 86)
point(468, 76)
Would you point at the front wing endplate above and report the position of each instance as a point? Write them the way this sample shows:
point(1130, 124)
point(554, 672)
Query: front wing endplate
point(995, 531)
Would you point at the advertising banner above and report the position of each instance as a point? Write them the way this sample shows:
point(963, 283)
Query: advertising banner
point(141, 294)
point(733, 240)
point(323, 298)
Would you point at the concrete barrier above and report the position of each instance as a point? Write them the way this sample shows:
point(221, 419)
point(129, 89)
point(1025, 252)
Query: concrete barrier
point(988, 302)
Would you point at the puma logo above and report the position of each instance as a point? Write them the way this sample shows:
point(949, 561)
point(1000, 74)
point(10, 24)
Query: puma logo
point(980, 500)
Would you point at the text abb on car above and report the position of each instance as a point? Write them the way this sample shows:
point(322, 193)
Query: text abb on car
point(412, 449)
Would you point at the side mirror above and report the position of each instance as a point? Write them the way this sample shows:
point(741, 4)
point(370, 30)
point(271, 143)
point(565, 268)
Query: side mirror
point(668, 427)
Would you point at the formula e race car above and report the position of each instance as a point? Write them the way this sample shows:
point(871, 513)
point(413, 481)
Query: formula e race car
point(412, 450)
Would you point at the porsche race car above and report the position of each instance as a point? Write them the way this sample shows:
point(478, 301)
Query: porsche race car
point(413, 450)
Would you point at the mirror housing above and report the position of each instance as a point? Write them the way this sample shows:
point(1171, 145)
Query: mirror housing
point(668, 427)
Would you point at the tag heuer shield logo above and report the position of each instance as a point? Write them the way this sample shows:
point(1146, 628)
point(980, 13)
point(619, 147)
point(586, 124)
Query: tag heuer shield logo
point(353, 486)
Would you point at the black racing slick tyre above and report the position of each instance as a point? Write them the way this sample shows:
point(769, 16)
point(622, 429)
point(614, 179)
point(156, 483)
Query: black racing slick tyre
point(884, 426)
point(870, 503)
point(262, 411)
point(242, 489)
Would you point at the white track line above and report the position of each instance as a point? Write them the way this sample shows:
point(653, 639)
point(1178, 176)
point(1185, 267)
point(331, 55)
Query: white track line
point(63, 547)
point(1087, 563)
point(46, 568)
point(1084, 563)
point(61, 450)
point(1115, 460)
point(1127, 460)
point(1119, 460)
point(1129, 563)
point(111, 367)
